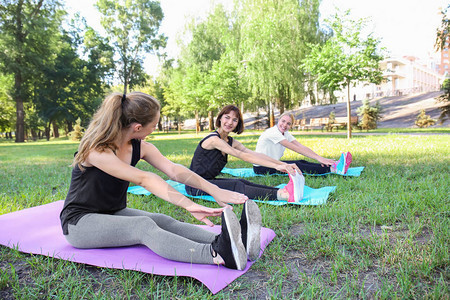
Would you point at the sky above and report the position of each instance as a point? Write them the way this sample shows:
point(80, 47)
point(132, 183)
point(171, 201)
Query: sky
point(405, 27)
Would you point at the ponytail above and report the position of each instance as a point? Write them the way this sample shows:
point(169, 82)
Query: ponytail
point(116, 113)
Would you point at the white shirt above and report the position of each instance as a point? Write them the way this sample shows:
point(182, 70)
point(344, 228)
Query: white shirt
point(269, 142)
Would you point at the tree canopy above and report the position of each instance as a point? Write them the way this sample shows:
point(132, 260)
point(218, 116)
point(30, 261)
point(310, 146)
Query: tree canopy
point(348, 57)
point(132, 28)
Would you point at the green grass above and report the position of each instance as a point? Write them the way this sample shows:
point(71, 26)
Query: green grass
point(382, 235)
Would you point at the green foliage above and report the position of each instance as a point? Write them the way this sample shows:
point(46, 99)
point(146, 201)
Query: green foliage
point(423, 120)
point(274, 37)
point(28, 42)
point(7, 109)
point(443, 33)
point(331, 119)
point(77, 132)
point(445, 100)
point(71, 87)
point(209, 40)
point(347, 58)
point(370, 115)
point(132, 28)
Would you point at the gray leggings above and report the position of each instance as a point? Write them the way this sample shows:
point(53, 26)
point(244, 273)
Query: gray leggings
point(164, 235)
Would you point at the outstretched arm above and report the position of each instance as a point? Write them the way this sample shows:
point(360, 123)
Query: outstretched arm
point(308, 152)
point(240, 151)
point(111, 164)
point(182, 174)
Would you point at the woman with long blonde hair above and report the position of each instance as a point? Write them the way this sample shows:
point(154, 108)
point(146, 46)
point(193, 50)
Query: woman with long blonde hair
point(274, 141)
point(95, 212)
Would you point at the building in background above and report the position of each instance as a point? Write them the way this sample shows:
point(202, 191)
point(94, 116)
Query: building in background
point(403, 76)
point(444, 67)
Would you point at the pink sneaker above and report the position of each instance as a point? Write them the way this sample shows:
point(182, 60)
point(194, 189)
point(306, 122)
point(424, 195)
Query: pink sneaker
point(341, 166)
point(295, 187)
point(290, 189)
point(348, 161)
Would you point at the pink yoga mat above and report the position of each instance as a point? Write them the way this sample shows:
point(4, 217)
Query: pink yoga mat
point(37, 230)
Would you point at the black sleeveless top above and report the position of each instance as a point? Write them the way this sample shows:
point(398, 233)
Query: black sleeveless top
point(94, 191)
point(209, 163)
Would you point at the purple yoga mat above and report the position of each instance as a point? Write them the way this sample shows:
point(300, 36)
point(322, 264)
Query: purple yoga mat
point(38, 230)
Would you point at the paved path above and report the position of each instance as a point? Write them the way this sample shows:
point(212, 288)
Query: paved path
point(397, 112)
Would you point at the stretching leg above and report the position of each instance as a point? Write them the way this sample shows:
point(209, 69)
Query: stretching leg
point(165, 222)
point(304, 166)
point(102, 230)
point(309, 167)
point(250, 189)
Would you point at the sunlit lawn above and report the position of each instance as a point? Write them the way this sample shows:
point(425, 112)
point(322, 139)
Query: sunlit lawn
point(382, 235)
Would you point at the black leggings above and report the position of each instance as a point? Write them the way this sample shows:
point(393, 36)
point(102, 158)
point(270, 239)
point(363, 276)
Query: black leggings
point(250, 189)
point(304, 166)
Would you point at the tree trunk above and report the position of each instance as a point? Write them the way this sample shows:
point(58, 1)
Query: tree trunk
point(160, 127)
point(271, 115)
point(34, 135)
point(18, 80)
point(69, 126)
point(349, 113)
point(211, 120)
point(47, 132)
point(20, 123)
point(197, 123)
point(55, 130)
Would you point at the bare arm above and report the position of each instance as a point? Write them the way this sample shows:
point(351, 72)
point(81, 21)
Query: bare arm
point(240, 151)
point(182, 174)
point(109, 163)
point(308, 152)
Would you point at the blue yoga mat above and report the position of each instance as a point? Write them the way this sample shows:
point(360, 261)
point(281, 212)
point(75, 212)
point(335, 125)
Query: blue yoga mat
point(310, 196)
point(248, 172)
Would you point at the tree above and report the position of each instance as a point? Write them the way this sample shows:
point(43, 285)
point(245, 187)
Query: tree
point(443, 32)
point(132, 28)
point(346, 58)
point(423, 120)
point(442, 42)
point(274, 38)
point(370, 115)
point(205, 54)
point(7, 116)
point(445, 99)
point(77, 132)
point(27, 43)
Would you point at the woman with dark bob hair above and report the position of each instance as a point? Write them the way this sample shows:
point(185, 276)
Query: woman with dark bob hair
point(211, 156)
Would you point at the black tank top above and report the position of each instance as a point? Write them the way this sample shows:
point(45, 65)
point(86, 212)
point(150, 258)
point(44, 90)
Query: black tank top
point(209, 163)
point(94, 191)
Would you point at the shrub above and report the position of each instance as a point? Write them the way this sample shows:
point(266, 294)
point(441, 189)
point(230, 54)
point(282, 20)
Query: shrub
point(424, 120)
point(445, 99)
point(331, 119)
point(370, 115)
point(77, 132)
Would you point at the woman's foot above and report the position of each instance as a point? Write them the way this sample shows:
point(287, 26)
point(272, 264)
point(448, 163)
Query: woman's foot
point(341, 166)
point(283, 194)
point(228, 244)
point(251, 229)
point(293, 191)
